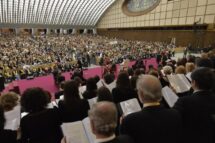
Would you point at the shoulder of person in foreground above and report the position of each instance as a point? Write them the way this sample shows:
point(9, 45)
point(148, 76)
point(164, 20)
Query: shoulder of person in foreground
point(124, 139)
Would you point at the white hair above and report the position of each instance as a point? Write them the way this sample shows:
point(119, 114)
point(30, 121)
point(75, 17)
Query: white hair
point(104, 118)
point(149, 88)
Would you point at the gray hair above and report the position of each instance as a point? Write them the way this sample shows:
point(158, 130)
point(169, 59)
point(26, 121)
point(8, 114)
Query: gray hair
point(149, 88)
point(103, 116)
point(167, 70)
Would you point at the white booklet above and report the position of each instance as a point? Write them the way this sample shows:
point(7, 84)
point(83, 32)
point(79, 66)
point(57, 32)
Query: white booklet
point(169, 96)
point(111, 86)
point(100, 83)
point(82, 89)
point(13, 118)
point(92, 101)
point(130, 106)
point(179, 82)
point(78, 132)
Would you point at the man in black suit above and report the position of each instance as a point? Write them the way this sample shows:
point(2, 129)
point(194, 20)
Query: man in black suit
point(103, 119)
point(197, 109)
point(154, 123)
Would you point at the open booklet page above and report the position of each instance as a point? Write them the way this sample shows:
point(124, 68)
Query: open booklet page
point(169, 96)
point(179, 82)
point(82, 89)
point(100, 83)
point(78, 132)
point(74, 132)
point(13, 118)
point(130, 106)
point(88, 131)
point(92, 101)
point(111, 86)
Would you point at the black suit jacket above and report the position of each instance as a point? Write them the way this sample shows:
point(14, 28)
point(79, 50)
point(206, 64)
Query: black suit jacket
point(121, 139)
point(76, 111)
point(41, 127)
point(152, 125)
point(197, 111)
point(8, 136)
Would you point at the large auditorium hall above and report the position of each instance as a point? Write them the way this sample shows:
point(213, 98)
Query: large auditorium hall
point(107, 71)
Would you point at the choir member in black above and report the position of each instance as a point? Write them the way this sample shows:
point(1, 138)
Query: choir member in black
point(72, 108)
point(197, 110)
point(41, 125)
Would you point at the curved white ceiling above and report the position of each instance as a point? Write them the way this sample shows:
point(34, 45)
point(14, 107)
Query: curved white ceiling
point(53, 12)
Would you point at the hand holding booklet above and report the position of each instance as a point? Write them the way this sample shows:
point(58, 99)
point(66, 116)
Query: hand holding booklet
point(129, 106)
point(78, 132)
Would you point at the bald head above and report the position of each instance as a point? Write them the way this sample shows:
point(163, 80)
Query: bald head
point(103, 117)
point(149, 88)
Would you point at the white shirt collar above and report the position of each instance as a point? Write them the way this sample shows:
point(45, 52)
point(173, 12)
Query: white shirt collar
point(105, 139)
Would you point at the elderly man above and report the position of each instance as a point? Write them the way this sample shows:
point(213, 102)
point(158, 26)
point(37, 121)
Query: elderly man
point(198, 110)
point(103, 118)
point(154, 123)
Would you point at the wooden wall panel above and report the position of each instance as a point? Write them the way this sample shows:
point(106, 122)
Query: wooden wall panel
point(183, 38)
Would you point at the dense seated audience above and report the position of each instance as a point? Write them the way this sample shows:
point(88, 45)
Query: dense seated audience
point(190, 120)
point(23, 57)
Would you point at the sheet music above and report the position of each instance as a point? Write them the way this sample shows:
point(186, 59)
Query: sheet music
point(62, 97)
point(185, 81)
point(100, 83)
point(50, 105)
point(130, 106)
point(111, 86)
point(56, 102)
point(13, 118)
point(179, 82)
point(82, 89)
point(74, 132)
point(88, 130)
point(188, 75)
point(92, 101)
point(169, 96)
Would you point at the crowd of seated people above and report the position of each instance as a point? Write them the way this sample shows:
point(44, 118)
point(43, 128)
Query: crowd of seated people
point(23, 57)
point(191, 119)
